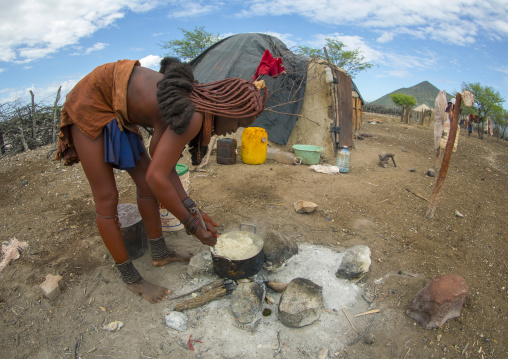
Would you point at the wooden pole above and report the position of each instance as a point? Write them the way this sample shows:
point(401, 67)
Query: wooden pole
point(335, 103)
point(55, 107)
point(438, 187)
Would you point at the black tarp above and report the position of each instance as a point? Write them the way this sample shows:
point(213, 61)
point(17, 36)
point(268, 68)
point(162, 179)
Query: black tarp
point(239, 56)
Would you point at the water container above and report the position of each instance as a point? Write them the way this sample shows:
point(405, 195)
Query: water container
point(168, 220)
point(328, 75)
point(287, 158)
point(226, 151)
point(343, 160)
point(254, 145)
point(271, 152)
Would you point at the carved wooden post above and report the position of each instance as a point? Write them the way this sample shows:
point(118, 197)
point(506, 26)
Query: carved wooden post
point(438, 187)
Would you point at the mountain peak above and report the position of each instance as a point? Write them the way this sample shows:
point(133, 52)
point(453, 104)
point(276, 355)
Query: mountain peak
point(423, 93)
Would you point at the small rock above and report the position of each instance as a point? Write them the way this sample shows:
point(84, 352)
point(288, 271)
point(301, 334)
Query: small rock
point(431, 172)
point(52, 286)
point(369, 339)
point(200, 264)
point(246, 301)
point(176, 320)
point(412, 170)
point(24, 182)
point(323, 353)
point(355, 263)
point(305, 207)
point(458, 214)
point(278, 248)
point(301, 303)
point(113, 326)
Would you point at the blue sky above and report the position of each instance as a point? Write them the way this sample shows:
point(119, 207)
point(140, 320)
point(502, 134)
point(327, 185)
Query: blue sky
point(45, 44)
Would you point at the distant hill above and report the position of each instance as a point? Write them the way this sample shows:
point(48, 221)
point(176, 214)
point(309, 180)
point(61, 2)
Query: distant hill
point(423, 93)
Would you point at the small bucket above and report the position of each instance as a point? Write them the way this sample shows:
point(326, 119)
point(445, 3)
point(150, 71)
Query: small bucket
point(168, 220)
point(309, 154)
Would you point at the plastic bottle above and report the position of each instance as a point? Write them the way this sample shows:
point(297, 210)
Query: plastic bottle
point(329, 76)
point(270, 153)
point(343, 159)
point(287, 158)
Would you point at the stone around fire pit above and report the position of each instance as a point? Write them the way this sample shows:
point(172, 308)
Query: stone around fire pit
point(200, 264)
point(355, 263)
point(278, 248)
point(301, 303)
point(246, 301)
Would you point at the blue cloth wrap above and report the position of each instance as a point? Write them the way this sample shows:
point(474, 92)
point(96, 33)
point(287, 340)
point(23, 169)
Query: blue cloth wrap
point(121, 148)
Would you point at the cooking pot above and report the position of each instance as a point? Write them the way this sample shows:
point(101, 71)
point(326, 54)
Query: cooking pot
point(234, 268)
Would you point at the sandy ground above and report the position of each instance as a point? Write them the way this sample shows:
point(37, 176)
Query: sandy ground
point(49, 206)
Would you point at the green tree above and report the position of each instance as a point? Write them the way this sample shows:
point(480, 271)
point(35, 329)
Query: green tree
point(193, 43)
point(487, 102)
point(405, 102)
point(401, 99)
point(500, 119)
point(352, 61)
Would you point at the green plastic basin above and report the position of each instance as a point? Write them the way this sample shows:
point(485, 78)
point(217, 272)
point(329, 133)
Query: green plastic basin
point(309, 154)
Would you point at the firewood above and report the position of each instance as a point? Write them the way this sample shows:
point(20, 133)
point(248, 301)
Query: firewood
point(203, 289)
point(204, 298)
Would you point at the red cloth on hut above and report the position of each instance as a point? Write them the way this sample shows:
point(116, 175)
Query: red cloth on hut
point(269, 66)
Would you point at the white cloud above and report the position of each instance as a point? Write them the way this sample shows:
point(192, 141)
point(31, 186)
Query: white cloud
point(285, 38)
point(398, 73)
point(33, 29)
point(193, 9)
point(459, 22)
point(502, 69)
point(96, 47)
point(151, 61)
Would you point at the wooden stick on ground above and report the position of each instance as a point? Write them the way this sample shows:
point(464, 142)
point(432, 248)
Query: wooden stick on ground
point(438, 187)
point(202, 299)
point(204, 288)
point(417, 195)
point(365, 333)
point(349, 320)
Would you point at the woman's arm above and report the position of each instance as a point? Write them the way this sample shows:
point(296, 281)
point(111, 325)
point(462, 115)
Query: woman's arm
point(163, 178)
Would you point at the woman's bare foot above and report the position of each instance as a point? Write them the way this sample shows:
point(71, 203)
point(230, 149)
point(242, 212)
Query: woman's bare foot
point(151, 292)
point(172, 257)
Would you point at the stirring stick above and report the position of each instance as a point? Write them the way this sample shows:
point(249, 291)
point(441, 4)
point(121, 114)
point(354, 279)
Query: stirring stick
point(202, 222)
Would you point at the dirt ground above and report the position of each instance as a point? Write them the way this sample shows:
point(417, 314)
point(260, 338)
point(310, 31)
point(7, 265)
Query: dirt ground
point(49, 206)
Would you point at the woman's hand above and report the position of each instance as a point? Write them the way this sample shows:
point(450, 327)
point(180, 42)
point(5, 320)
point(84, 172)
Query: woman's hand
point(206, 237)
point(209, 220)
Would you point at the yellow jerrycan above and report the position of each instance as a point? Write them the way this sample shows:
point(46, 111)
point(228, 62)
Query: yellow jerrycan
point(254, 145)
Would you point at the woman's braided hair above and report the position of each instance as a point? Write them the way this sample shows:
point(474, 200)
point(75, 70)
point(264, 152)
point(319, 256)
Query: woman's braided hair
point(179, 97)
